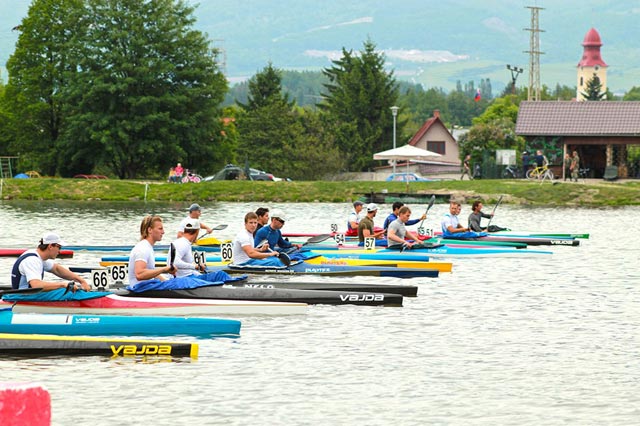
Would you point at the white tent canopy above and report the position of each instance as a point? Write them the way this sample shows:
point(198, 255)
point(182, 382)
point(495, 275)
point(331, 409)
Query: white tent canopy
point(406, 153)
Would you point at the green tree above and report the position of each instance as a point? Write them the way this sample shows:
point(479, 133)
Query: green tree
point(147, 91)
point(632, 95)
point(504, 107)
point(593, 90)
point(265, 89)
point(38, 70)
point(359, 95)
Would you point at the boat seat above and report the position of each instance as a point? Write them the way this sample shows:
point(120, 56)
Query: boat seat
point(610, 173)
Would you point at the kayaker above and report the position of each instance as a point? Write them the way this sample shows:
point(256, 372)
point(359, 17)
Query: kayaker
point(397, 232)
point(142, 259)
point(244, 251)
point(263, 217)
point(354, 219)
point(394, 215)
point(366, 226)
point(184, 262)
point(194, 213)
point(28, 270)
point(272, 233)
point(476, 216)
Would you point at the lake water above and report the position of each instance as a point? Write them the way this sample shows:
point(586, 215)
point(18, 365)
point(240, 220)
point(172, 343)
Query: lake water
point(540, 340)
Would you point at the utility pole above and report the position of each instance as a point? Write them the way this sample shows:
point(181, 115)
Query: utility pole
point(515, 71)
point(534, 54)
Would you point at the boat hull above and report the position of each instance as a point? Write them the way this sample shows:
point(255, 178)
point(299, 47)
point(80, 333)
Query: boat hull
point(115, 325)
point(114, 304)
point(37, 345)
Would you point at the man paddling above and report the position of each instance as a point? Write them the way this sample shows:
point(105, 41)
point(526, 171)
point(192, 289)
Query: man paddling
point(397, 232)
point(476, 216)
point(451, 227)
point(184, 262)
point(194, 213)
point(354, 219)
point(28, 270)
point(263, 217)
point(142, 259)
point(395, 207)
point(244, 252)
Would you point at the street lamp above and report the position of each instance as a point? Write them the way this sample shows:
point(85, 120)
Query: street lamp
point(514, 75)
point(394, 112)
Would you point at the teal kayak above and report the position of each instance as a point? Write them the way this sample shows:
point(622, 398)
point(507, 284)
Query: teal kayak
point(115, 325)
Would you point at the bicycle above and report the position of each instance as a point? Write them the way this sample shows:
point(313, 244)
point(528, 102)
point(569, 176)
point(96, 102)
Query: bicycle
point(511, 172)
point(540, 173)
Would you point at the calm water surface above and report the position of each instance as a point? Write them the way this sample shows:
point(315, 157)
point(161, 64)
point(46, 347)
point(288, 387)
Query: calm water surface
point(539, 340)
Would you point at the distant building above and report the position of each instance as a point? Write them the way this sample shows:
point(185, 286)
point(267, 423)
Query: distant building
point(591, 64)
point(435, 137)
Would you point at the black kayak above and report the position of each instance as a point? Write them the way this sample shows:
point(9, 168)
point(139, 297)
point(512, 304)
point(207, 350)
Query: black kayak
point(311, 297)
point(403, 290)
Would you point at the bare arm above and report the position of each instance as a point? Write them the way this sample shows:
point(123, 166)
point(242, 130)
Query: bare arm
point(142, 273)
point(66, 274)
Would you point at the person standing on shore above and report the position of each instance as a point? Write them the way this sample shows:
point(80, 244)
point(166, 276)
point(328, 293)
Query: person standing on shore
point(575, 166)
point(466, 167)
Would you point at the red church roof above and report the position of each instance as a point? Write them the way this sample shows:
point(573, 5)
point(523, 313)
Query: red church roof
point(591, 54)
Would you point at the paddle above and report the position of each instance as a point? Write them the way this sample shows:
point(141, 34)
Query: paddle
point(317, 239)
point(431, 203)
point(172, 256)
point(493, 211)
point(284, 257)
point(216, 228)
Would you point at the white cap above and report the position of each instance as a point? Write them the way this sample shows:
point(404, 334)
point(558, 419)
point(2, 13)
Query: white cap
point(372, 207)
point(277, 213)
point(52, 238)
point(192, 224)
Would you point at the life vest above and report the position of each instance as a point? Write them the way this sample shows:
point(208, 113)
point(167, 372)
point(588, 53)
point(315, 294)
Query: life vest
point(15, 272)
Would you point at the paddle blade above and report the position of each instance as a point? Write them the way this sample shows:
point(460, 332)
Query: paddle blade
point(219, 227)
point(317, 239)
point(172, 255)
point(284, 258)
point(432, 201)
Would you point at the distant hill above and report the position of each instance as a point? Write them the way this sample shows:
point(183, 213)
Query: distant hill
point(432, 43)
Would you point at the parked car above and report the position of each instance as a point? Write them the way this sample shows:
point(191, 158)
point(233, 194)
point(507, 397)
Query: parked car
point(407, 177)
point(233, 172)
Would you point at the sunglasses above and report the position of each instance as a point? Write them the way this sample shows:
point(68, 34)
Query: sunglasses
point(58, 246)
point(279, 220)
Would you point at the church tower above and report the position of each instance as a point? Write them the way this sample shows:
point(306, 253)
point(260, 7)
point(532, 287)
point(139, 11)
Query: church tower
point(591, 63)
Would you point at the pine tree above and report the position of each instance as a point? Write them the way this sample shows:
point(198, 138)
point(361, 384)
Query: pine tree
point(593, 90)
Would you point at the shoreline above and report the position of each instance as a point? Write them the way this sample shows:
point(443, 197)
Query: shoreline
point(589, 193)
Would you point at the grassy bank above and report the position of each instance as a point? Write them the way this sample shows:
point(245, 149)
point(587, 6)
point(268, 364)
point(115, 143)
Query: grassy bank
point(593, 194)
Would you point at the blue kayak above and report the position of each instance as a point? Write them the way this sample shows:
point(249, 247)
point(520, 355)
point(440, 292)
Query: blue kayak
point(115, 325)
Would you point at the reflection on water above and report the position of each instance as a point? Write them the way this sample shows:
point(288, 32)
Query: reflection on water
point(533, 340)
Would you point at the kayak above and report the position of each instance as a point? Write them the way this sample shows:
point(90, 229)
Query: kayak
point(114, 304)
point(10, 252)
point(426, 253)
point(37, 345)
point(302, 268)
point(404, 290)
point(353, 241)
point(240, 292)
point(115, 325)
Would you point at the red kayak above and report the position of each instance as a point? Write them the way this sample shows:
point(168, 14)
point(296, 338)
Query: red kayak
point(9, 252)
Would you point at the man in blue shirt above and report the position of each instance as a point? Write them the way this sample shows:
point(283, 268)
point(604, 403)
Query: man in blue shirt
point(272, 233)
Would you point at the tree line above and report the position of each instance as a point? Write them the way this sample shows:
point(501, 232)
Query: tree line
point(127, 88)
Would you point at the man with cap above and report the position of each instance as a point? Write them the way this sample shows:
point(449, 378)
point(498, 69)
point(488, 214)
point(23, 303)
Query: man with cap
point(366, 226)
point(194, 213)
point(354, 219)
point(272, 233)
point(183, 261)
point(28, 270)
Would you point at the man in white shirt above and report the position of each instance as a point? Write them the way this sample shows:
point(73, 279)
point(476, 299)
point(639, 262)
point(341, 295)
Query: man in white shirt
point(244, 251)
point(28, 270)
point(142, 259)
point(194, 213)
point(184, 262)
